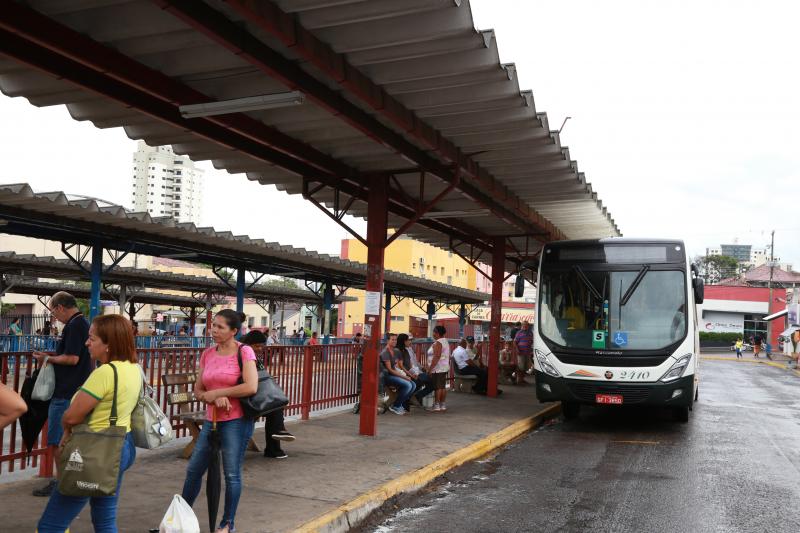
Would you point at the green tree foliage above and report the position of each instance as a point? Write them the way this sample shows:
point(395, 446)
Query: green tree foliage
point(714, 268)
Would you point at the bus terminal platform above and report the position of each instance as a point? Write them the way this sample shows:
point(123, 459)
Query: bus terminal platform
point(328, 465)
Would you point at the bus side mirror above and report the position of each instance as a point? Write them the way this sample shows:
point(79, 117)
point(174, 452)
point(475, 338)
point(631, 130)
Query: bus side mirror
point(519, 287)
point(699, 290)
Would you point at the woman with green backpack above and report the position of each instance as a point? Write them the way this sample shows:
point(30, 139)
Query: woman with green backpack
point(99, 418)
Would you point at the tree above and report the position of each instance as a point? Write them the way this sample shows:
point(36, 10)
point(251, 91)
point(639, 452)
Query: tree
point(6, 308)
point(281, 282)
point(714, 268)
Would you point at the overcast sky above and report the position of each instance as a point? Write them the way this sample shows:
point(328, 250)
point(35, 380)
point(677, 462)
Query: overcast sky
point(685, 119)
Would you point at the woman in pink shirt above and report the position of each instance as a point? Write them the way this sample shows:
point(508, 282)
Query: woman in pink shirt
point(218, 386)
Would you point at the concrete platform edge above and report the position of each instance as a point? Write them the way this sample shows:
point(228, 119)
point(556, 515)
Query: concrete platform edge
point(353, 512)
point(751, 361)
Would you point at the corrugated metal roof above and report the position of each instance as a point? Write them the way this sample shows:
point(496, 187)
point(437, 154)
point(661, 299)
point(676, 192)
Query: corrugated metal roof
point(51, 267)
point(53, 215)
point(426, 54)
point(25, 285)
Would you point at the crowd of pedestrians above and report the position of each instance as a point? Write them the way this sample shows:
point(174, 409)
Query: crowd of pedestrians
point(98, 383)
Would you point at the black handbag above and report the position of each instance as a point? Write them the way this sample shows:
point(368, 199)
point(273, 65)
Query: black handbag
point(269, 396)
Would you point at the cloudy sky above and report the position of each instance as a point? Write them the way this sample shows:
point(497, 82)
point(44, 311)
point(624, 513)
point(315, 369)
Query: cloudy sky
point(685, 118)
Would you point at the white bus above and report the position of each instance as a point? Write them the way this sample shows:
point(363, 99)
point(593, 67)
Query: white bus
point(617, 324)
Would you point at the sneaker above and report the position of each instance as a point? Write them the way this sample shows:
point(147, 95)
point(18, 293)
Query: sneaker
point(283, 436)
point(397, 410)
point(279, 455)
point(436, 407)
point(442, 407)
point(47, 490)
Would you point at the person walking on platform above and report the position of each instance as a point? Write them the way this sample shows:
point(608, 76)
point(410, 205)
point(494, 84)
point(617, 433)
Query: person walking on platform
point(738, 346)
point(72, 366)
point(439, 367)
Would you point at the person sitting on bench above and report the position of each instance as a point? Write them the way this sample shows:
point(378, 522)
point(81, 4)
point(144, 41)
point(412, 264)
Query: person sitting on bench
point(467, 366)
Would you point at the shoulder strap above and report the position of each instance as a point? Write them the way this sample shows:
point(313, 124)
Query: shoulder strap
point(239, 356)
point(113, 418)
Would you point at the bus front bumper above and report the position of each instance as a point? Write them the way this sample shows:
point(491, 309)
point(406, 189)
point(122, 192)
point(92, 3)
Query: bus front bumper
point(678, 393)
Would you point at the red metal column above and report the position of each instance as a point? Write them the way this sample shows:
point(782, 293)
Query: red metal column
point(498, 275)
point(377, 225)
point(308, 382)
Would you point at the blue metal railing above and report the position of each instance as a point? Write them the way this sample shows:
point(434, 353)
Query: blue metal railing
point(47, 343)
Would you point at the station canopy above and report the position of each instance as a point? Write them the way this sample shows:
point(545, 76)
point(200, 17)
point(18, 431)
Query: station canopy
point(56, 217)
point(50, 267)
point(32, 286)
point(344, 91)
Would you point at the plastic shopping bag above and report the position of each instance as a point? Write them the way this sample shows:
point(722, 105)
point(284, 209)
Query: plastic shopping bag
point(45, 383)
point(179, 518)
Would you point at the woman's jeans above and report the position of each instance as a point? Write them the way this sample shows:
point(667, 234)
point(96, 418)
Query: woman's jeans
point(234, 435)
point(62, 510)
point(424, 386)
point(405, 389)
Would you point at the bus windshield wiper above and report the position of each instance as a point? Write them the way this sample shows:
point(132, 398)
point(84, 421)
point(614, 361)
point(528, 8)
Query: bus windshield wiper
point(586, 281)
point(634, 285)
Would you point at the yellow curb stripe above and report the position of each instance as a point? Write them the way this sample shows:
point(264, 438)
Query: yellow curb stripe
point(768, 363)
point(340, 519)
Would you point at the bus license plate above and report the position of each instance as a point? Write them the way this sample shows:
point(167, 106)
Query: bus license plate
point(612, 399)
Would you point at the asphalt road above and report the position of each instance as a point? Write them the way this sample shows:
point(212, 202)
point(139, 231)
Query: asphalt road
point(735, 466)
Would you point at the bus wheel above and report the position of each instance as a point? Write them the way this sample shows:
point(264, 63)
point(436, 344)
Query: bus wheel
point(681, 414)
point(571, 410)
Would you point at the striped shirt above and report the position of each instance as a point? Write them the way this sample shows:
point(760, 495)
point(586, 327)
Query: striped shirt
point(524, 341)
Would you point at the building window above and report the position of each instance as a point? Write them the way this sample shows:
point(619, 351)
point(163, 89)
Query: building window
point(398, 318)
point(413, 265)
point(449, 280)
point(263, 321)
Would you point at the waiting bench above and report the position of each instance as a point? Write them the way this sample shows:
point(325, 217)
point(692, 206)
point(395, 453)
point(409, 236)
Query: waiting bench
point(193, 419)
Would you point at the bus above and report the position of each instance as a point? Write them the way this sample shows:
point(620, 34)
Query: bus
point(617, 325)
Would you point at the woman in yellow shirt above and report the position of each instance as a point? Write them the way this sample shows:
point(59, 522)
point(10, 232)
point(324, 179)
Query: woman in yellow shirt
point(111, 343)
point(739, 345)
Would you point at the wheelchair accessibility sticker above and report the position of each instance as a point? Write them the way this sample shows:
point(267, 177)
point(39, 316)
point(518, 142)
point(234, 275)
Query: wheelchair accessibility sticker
point(621, 338)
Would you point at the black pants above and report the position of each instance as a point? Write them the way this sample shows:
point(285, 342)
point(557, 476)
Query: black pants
point(481, 373)
point(274, 424)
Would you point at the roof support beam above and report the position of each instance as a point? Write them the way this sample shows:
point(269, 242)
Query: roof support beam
point(482, 186)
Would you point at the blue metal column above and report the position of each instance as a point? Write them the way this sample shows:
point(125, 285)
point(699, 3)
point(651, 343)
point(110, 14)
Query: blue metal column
point(388, 314)
point(462, 320)
point(97, 275)
point(240, 282)
point(431, 312)
point(327, 304)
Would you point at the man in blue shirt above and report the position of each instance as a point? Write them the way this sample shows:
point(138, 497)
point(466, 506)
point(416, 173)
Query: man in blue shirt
point(72, 365)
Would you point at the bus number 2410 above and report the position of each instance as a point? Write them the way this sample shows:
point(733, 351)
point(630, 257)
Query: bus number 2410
point(634, 375)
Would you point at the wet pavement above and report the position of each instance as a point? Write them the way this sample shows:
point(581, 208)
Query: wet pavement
point(734, 467)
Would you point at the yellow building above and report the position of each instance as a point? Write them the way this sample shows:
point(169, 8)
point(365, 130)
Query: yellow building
point(409, 257)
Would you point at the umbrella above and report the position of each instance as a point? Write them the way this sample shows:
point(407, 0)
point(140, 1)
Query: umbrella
point(214, 478)
point(33, 420)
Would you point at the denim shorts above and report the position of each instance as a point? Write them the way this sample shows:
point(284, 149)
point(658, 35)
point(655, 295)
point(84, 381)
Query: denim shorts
point(58, 406)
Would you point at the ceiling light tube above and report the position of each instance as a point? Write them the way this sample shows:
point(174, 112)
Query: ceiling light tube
point(240, 105)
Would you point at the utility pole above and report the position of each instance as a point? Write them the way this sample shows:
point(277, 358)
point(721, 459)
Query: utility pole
point(769, 284)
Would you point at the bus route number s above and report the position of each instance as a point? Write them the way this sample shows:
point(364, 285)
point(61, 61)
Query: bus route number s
point(634, 375)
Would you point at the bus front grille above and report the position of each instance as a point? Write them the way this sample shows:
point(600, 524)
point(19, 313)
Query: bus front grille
point(588, 391)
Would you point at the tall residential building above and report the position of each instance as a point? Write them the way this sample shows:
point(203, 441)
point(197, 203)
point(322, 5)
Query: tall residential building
point(166, 184)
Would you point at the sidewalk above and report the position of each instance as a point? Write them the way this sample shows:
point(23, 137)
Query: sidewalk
point(328, 465)
point(779, 360)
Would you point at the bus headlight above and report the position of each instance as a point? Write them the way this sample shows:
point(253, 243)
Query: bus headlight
point(547, 368)
point(677, 369)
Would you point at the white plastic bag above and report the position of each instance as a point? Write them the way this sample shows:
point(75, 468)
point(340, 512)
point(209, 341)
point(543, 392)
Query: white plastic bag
point(45, 383)
point(179, 518)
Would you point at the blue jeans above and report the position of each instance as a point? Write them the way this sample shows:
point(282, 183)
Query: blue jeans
point(404, 387)
point(62, 510)
point(56, 410)
point(234, 435)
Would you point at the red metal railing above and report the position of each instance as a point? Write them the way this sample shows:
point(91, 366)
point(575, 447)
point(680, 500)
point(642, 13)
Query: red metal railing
point(314, 378)
point(13, 368)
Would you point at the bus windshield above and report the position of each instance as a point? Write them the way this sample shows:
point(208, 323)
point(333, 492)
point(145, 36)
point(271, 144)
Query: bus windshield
point(582, 307)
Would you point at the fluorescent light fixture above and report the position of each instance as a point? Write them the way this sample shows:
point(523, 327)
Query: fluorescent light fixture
point(457, 214)
point(182, 255)
point(240, 105)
